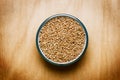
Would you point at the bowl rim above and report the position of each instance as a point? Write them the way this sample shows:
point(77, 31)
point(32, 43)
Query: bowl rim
point(71, 61)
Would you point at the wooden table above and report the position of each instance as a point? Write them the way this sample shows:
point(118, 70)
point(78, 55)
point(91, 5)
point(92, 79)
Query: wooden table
point(20, 19)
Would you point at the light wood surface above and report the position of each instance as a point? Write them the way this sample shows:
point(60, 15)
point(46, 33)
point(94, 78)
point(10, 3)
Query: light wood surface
point(20, 19)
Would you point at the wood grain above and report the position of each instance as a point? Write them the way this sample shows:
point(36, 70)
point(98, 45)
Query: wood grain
point(20, 19)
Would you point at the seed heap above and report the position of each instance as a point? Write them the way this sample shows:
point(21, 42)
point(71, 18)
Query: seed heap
point(61, 39)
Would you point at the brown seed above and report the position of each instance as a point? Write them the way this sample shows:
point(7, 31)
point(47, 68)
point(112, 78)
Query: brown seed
point(62, 39)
